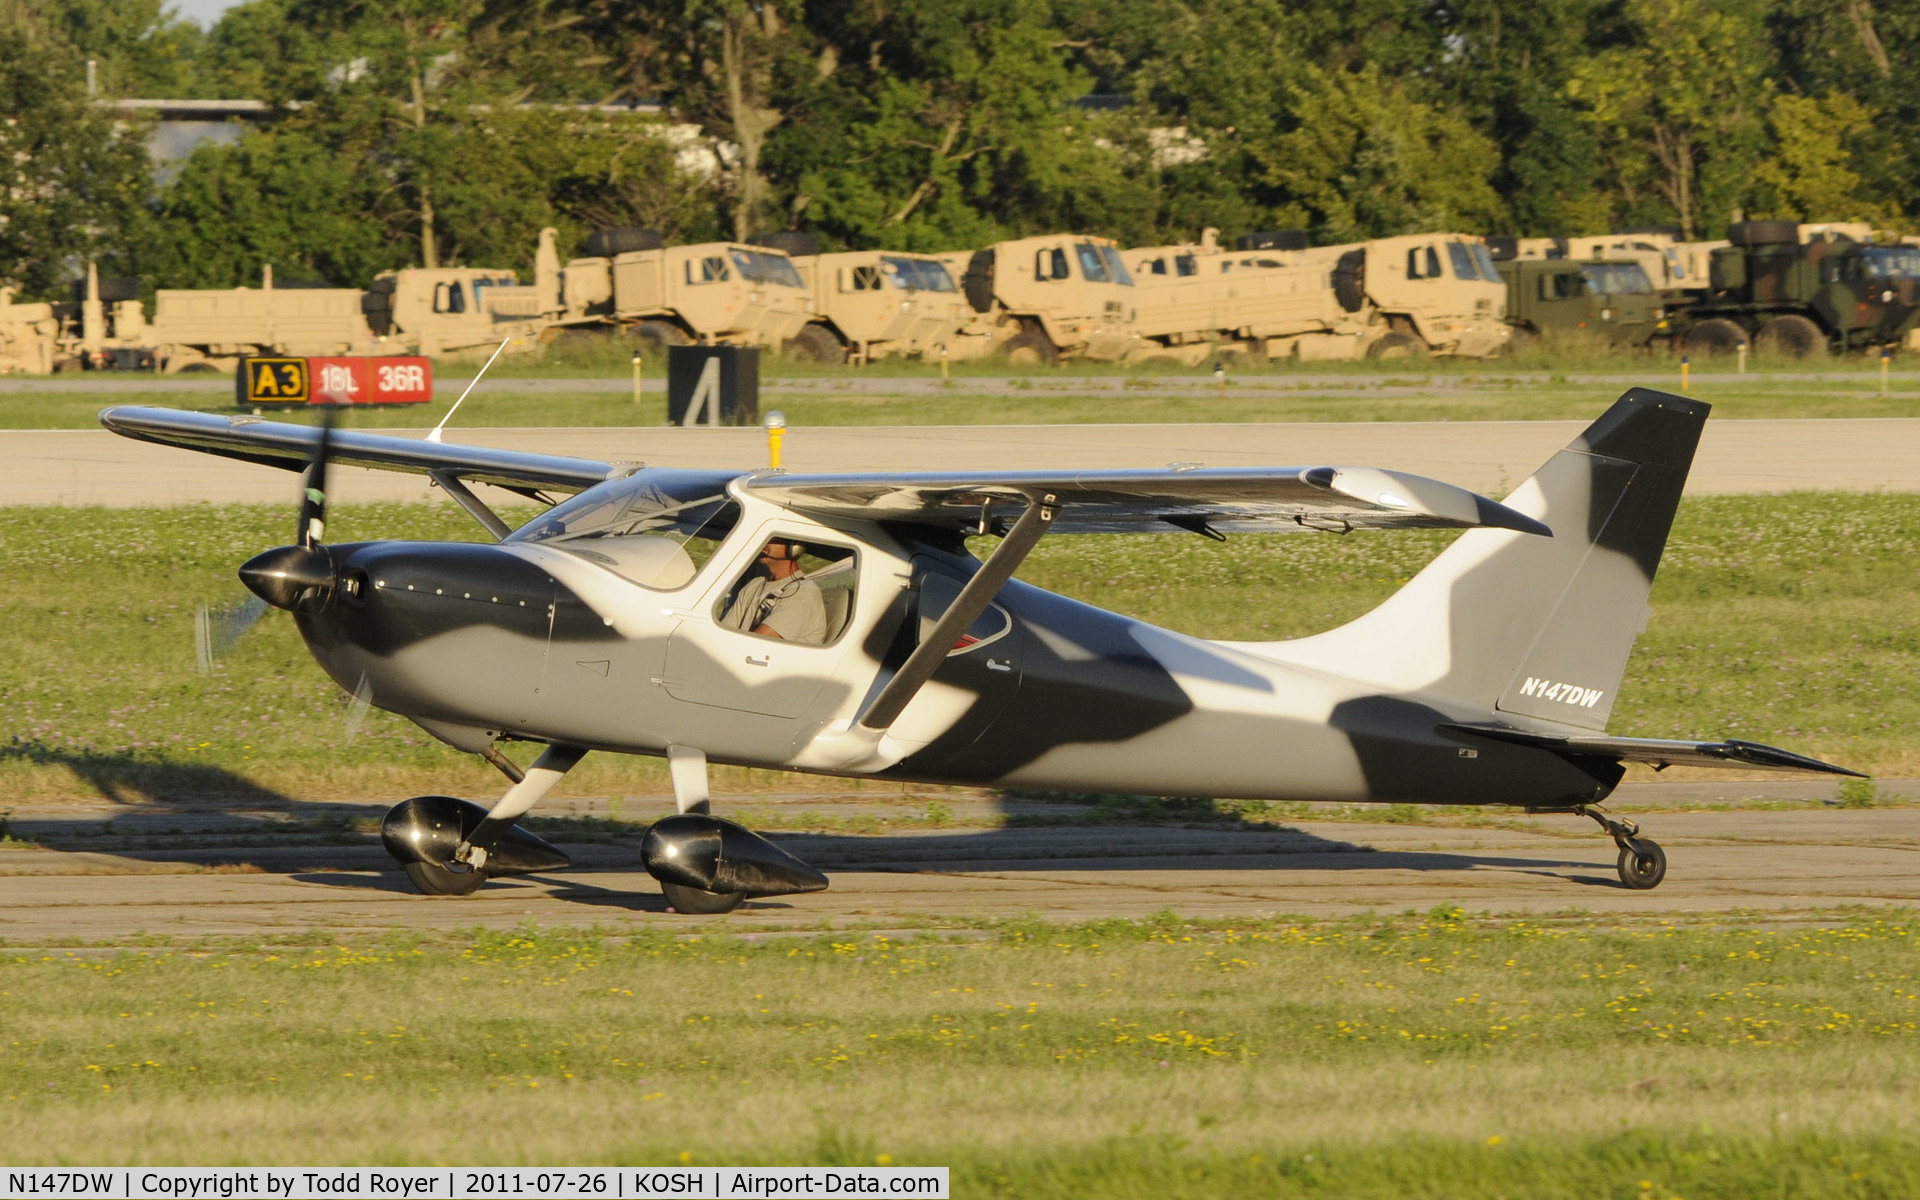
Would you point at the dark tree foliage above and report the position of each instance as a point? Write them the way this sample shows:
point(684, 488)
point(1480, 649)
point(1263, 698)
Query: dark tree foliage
point(443, 131)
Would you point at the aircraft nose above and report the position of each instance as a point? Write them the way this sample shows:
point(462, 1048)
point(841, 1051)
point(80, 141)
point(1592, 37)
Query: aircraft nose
point(296, 578)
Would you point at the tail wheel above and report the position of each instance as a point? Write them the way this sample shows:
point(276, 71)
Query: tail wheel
point(699, 903)
point(1643, 864)
point(442, 879)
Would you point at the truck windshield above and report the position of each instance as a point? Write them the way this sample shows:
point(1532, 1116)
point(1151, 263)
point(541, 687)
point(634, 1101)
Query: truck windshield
point(916, 274)
point(766, 268)
point(1116, 267)
point(1093, 264)
point(1617, 279)
point(1464, 266)
point(1888, 263)
point(656, 528)
point(1488, 271)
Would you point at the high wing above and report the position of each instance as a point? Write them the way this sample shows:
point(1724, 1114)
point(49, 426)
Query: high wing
point(1203, 500)
point(290, 447)
point(1659, 752)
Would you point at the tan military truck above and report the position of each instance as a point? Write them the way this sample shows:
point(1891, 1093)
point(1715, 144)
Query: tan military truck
point(1199, 300)
point(631, 284)
point(1041, 299)
point(1670, 264)
point(411, 311)
point(1271, 296)
point(29, 336)
point(872, 304)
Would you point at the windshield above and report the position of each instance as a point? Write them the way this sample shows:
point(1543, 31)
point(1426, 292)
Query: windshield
point(656, 528)
point(766, 268)
point(1114, 266)
point(1488, 271)
point(1886, 263)
point(1463, 265)
point(1617, 279)
point(1092, 264)
point(916, 274)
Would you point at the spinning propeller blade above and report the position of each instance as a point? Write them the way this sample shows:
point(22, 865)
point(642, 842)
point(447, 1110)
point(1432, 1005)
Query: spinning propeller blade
point(217, 629)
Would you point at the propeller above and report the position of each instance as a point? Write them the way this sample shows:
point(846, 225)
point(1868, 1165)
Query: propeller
point(298, 578)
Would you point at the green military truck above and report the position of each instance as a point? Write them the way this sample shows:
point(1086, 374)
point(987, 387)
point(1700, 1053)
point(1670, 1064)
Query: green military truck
point(1791, 298)
point(1561, 300)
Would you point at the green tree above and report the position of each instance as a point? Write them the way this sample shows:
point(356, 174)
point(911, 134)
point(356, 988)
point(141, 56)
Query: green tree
point(140, 48)
point(71, 178)
point(1677, 106)
point(1369, 158)
point(1809, 172)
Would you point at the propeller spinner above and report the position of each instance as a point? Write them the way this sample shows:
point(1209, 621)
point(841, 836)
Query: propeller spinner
point(300, 577)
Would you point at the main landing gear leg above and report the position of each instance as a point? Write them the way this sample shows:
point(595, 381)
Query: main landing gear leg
point(692, 794)
point(706, 864)
point(1643, 864)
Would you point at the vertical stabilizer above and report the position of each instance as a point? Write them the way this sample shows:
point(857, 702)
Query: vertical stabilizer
point(1537, 627)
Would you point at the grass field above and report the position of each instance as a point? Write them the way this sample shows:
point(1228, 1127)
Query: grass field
point(1084, 394)
point(1789, 619)
point(1396, 1057)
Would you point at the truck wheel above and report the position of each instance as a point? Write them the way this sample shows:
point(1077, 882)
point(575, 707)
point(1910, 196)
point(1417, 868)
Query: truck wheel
point(1764, 233)
point(815, 343)
point(1029, 348)
point(1717, 336)
point(1397, 344)
point(654, 337)
point(1789, 336)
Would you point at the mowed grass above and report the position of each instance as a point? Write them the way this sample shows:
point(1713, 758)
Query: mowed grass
point(1792, 619)
point(1376, 1057)
point(993, 394)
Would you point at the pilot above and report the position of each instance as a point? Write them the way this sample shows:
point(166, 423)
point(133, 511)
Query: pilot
point(778, 600)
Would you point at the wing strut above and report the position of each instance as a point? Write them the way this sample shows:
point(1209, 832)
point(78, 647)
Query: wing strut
point(864, 745)
point(965, 609)
point(477, 508)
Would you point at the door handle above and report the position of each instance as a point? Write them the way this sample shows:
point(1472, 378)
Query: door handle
point(756, 662)
point(998, 666)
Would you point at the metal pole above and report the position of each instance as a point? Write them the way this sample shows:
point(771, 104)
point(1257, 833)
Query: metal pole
point(1886, 360)
point(1741, 352)
point(776, 432)
point(1686, 372)
point(636, 377)
point(944, 376)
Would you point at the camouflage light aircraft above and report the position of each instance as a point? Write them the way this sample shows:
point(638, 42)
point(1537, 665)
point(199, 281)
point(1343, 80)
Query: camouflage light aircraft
point(612, 622)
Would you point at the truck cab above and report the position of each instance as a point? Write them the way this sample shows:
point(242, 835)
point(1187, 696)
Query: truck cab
point(1040, 299)
point(1564, 300)
point(875, 303)
point(1430, 293)
point(714, 293)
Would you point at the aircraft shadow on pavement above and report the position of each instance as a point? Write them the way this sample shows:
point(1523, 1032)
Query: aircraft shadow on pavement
point(152, 788)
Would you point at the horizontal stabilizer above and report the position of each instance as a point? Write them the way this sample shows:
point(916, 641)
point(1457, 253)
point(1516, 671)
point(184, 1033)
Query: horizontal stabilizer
point(1660, 752)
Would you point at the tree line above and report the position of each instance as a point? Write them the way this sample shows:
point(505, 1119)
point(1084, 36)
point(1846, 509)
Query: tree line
point(423, 132)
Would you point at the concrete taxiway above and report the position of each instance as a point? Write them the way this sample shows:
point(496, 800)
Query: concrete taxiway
point(95, 467)
point(1736, 863)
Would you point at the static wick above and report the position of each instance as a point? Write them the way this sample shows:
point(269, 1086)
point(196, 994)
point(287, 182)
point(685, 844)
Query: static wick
point(435, 435)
